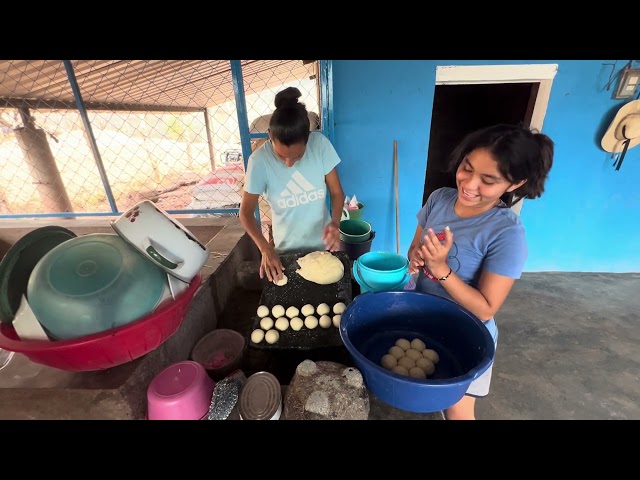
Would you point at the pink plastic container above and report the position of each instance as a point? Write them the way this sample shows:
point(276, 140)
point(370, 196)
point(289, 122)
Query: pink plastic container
point(182, 391)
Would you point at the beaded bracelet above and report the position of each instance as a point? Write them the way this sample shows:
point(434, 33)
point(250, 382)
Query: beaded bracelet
point(446, 276)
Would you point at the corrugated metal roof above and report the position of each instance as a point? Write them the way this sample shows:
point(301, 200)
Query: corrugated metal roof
point(139, 84)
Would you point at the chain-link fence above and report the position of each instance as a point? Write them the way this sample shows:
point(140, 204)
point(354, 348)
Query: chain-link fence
point(95, 137)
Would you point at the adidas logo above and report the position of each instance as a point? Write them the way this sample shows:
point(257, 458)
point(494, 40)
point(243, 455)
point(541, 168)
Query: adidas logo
point(299, 191)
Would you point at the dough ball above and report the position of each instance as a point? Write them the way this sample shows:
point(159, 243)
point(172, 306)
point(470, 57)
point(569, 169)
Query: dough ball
point(320, 267)
point(417, 372)
point(272, 336)
point(311, 322)
point(292, 312)
point(396, 351)
point(283, 281)
point(403, 343)
point(338, 308)
point(307, 310)
point(400, 370)
point(413, 353)
point(266, 323)
point(263, 311)
point(277, 311)
point(296, 323)
point(325, 321)
point(282, 324)
point(426, 365)
point(257, 335)
point(323, 309)
point(407, 362)
point(431, 355)
point(418, 344)
point(336, 320)
point(388, 361)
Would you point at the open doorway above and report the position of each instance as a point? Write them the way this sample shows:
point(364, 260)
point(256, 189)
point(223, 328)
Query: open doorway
point(471, 97)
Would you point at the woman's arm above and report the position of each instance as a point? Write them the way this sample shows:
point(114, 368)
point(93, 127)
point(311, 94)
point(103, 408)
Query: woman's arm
point(484, 302)
point(336, 194)
point(248, 220)
point(270, 264)
point(492, 289)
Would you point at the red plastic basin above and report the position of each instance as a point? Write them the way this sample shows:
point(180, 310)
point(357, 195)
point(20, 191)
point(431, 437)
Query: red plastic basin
point(109, 348)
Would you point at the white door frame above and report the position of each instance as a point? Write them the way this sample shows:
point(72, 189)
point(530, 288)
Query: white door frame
point(479, 74)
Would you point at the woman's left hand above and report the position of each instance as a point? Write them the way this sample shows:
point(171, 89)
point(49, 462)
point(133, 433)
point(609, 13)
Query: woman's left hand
point(435, 253)
point(331, 237)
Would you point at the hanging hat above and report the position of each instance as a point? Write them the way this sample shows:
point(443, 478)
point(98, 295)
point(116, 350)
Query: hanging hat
point(625, 126)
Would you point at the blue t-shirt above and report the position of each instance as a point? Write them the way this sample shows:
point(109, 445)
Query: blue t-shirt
point(297, 194)
point(493, 241)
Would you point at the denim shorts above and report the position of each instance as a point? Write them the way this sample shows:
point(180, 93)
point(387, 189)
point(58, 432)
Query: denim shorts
point(480, 386)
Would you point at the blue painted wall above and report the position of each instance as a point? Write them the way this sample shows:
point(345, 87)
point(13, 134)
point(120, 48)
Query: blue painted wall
point(588, 219)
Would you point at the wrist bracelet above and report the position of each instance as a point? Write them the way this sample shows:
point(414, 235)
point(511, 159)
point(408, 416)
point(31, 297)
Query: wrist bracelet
point(446, 276)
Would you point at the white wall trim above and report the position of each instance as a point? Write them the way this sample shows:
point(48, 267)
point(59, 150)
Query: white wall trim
point(464, 74)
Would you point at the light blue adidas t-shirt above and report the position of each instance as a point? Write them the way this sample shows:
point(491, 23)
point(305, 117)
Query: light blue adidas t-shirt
point(493, 241)
point(297, 194)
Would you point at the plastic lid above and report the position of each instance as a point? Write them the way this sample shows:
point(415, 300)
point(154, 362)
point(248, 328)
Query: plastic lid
point(260, 398)
point(93, 283)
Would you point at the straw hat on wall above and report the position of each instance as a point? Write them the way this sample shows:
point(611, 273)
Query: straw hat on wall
point(625, 126)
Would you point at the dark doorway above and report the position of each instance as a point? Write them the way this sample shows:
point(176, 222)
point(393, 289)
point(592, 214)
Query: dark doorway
point(461, 109)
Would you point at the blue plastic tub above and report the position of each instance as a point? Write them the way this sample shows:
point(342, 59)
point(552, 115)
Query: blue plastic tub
point(372, 323)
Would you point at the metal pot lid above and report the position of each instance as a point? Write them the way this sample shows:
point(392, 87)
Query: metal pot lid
point(260, 398)
point(16, 266)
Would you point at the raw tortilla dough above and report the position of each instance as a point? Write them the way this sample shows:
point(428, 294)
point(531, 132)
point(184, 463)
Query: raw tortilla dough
point(278, 311)
point(336, 320)
point(325, 321)
point(282, 281)
point(263, 311)
point(296, 323)
point(272, 336)
point(282, 324)
point(389, 361)
point(338, 308)
point(307, 310)
point(323, 309)
point(292, 312)
point(311, 322)
point(266, 323)
point(257, 335)
point(322, 268)
point(431, 355)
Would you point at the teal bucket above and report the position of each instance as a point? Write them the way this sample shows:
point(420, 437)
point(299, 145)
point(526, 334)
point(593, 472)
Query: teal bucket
point(382, 271)
point(365, 287)
point(355, 231)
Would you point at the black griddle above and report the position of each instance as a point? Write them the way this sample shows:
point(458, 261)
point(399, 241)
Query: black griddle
point(297, 293)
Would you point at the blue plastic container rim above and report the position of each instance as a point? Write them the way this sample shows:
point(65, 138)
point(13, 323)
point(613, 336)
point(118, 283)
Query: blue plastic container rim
point(467, 378)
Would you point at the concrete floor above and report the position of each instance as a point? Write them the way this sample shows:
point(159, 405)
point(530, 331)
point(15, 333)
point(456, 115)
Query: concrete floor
point(568, 349)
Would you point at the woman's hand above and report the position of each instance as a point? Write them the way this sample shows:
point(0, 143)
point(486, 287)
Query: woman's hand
point(331, 237)
point(433, 252)
point(271, 265)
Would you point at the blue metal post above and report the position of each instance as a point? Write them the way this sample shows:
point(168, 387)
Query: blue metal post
point(243, 118)
point(326, 97)
point(92, 140)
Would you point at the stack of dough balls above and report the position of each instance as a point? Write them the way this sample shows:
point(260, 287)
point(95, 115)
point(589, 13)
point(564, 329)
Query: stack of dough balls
point(292, 317)
point(411, 358)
